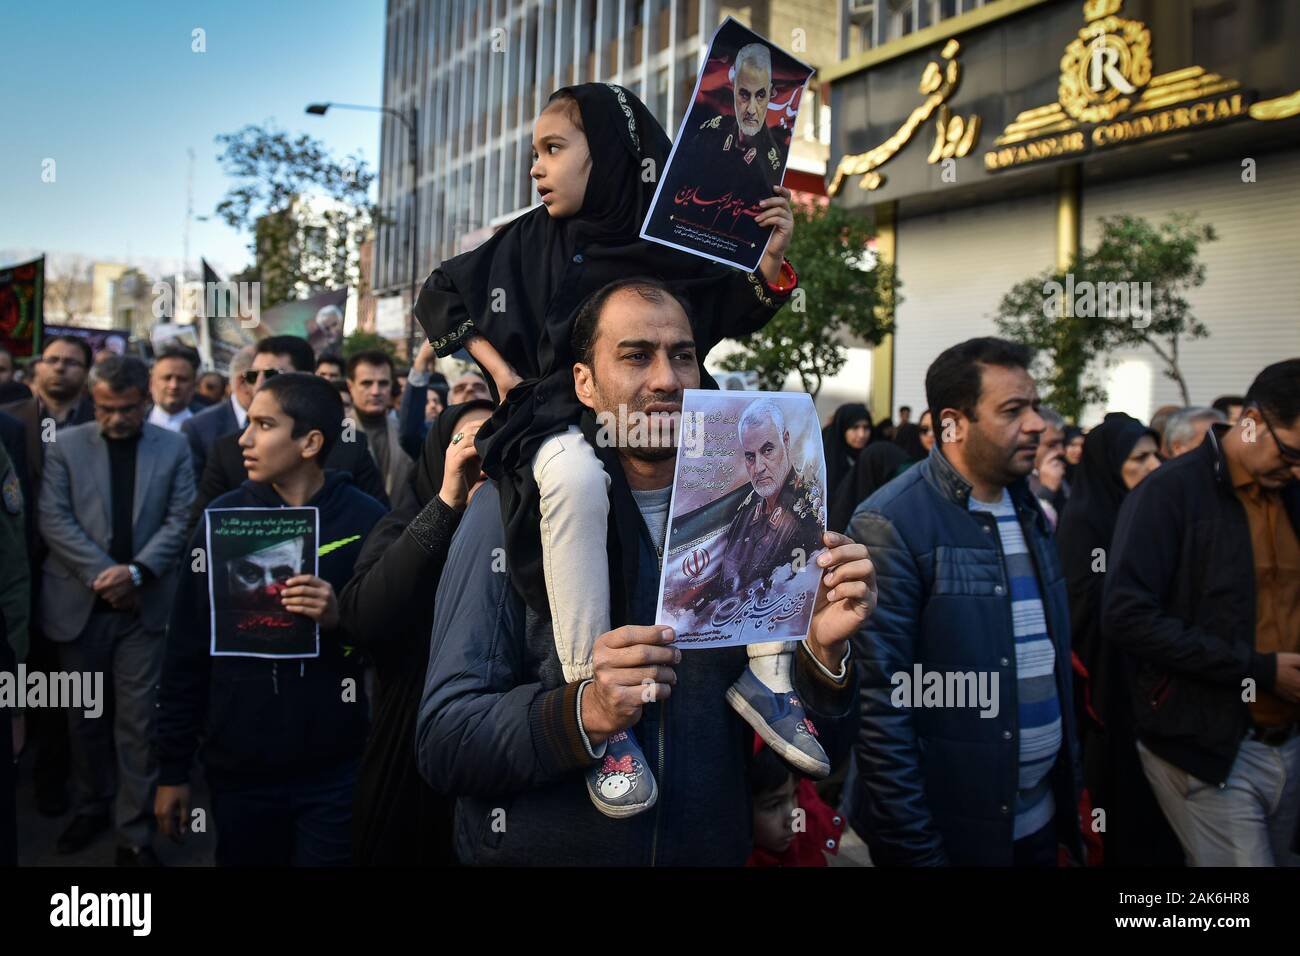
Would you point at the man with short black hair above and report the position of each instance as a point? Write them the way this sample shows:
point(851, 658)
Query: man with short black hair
point(500, 722)
point(112, 513)
point(1229, 406)
point(329, 366)
point(370, 379)
point(224, 470)
point(904, 415)
point(987, 771)
point(281, 755)
point(59, 401)
point(1203, 590)
point(171, 385)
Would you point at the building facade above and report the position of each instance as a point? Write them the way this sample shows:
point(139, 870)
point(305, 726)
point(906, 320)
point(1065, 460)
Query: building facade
point(989, 144)
point(475, 74)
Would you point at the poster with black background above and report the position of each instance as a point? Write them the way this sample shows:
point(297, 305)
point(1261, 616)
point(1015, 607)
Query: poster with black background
point(252, 552)
point(731, 150)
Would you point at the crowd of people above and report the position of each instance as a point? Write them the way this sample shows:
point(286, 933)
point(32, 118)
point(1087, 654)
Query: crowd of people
point(1032, 645)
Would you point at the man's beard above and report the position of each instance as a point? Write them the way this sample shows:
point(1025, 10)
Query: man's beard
point(60, 390)
point(996, 462)
point(663, 435)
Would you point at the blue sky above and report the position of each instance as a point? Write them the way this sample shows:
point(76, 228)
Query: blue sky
point(114, 94)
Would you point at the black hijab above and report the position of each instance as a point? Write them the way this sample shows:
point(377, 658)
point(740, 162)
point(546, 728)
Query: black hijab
point(878, 465)
point(840, 455)
point(427, 480)
point(528, 258)
point(1098, 489)
point(1071, 433)
point(908, 438)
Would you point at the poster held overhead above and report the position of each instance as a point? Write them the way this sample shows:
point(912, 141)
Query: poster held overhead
point(730, 151)
point(746, 520)
point(251, 553)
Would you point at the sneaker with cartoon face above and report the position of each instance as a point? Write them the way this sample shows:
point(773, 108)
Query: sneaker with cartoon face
point(621, 785)
point(780, 720)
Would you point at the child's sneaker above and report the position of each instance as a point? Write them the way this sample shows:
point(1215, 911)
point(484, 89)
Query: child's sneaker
point(781, 722)
point(622, 785)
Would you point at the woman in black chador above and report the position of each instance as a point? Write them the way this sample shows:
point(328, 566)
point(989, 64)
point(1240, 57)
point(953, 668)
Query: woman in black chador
point(397, 818)
point(1117, 454)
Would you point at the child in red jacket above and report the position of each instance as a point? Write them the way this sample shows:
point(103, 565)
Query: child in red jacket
point(793, 826)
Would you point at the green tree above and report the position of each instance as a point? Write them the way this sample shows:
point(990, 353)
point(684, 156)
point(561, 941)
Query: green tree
point(1126, 292)
point(271, 170)
point(844, 292)
point(360, 341)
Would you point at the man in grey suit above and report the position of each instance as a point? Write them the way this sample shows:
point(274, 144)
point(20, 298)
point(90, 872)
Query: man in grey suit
point(113, 507)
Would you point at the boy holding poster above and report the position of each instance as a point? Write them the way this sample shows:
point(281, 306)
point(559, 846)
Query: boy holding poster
point(281, 713)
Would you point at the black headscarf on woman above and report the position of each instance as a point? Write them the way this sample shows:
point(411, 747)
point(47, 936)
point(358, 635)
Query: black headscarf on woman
point(387, 605)
point(1071, 433)
point(877, 466)
point(840, 455)
point(427, 479)
point(1112, 772)
point(1098, 489)
point(908, 438)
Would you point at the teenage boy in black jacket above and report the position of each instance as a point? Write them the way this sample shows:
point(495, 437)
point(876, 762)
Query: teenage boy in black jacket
point(282, 739)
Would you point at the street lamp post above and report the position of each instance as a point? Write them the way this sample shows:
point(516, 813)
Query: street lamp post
point(412, 125)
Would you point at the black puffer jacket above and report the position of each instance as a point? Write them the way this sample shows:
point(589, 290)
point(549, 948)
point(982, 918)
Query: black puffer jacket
point(1180, 598)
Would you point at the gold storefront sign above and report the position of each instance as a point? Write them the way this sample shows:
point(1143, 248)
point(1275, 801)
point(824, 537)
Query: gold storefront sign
point(954, 136)
point(1107, 96)
point(1120, 131)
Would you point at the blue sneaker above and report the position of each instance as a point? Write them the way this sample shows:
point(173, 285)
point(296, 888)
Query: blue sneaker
point(780, 720)
point(621, 785)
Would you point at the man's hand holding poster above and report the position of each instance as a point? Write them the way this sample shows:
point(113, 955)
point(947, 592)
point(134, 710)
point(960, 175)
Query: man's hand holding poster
point(731, 150)
point(746, 521)
point(253, 554)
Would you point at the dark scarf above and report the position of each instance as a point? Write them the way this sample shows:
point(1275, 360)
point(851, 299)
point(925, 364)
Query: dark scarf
point(878, 465)
point(527, 259)
point(840, 455)
point(908, 438)
point(1098, 489)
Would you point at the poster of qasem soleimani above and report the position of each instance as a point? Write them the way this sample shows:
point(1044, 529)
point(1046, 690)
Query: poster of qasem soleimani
point(746, 520)
point(252, 552)
point(731, 150)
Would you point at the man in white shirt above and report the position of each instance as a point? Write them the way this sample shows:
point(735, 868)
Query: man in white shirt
point(171, 385)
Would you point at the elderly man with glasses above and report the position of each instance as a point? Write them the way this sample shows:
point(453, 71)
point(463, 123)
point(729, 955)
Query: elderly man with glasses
point(1203, 590)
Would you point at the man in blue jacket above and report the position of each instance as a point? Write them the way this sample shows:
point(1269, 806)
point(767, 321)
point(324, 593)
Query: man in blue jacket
point(501, 730)
point(282, 739)
point(966, 751)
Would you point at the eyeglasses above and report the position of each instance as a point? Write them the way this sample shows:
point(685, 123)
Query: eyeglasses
point(252, 375)
point(69, 362)
point(1290, 454)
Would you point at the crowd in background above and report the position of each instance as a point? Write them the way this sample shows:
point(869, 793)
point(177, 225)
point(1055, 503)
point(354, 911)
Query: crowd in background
point(1136, 585)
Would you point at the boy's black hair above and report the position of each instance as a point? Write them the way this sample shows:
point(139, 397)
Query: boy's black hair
point(312, 403)
point(587, 319)
point(70, 340)
point(300, 354)
point(955, 378)
point(370, 357)
point(329, 358)
point(1277, 391)
point(768, 772)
